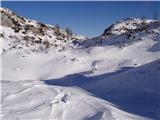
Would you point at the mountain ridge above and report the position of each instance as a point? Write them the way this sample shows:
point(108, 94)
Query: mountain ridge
point(43, 36)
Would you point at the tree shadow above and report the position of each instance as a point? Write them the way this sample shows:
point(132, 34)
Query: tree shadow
point(142, 103)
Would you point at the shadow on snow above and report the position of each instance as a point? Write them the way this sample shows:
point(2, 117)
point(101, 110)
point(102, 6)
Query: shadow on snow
point(141, 103)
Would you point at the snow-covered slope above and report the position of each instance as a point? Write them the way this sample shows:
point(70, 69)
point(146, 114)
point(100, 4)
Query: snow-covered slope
point(50, 76)
point(32, 36)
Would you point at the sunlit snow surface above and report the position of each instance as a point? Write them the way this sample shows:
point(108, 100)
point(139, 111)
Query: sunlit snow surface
point(90, 84)
point(108, 81)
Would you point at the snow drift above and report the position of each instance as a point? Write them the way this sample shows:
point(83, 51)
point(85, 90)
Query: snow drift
point(49, 75)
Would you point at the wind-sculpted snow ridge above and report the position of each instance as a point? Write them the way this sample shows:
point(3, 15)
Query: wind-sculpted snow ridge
point(48, 76)
point(34, 100)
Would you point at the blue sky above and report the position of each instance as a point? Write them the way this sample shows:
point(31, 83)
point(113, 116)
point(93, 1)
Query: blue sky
point(86, 18)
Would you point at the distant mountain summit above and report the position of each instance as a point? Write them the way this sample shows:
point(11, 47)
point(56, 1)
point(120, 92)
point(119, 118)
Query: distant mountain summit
point(126, 32)
point(130, 25)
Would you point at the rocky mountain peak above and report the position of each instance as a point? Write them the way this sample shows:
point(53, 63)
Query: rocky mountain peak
point(127, 25)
